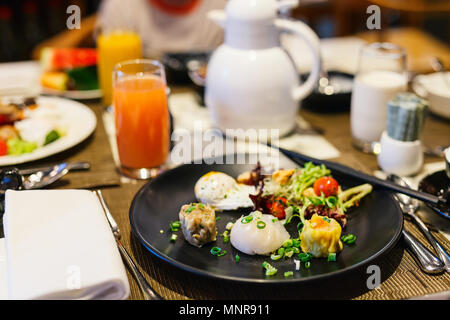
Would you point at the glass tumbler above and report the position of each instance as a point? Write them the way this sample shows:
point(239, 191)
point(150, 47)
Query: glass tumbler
point(380, 76)
point(141, 117)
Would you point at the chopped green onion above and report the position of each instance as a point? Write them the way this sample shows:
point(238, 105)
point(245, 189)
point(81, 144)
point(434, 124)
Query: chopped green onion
point(190, 209)
point(305, 257)
point(296, 243)
point(288, 274)
point(326, 219)
point(260, 224)
point(247, 219)
point(215, 250)
point(332, 256)
point(237, 258)
point(226, 237)
point(175, 226)
point(201, 205)
point(349, 238)
point(217, 218)
point(288, 243)
point(270, 271)
point(281, 251)
point(274, 220)
point(289, 253)
point(300, 226)
point(307, 264)
point(173, 238)
point(276, 257)
point(222, 253)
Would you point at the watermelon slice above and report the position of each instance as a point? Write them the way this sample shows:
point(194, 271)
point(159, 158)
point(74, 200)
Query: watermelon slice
point(57, 59)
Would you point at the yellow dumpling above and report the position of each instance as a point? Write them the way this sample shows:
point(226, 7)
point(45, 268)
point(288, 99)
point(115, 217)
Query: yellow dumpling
point(321, 236)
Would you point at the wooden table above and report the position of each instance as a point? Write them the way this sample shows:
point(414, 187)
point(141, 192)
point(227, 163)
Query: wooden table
point(401, 276)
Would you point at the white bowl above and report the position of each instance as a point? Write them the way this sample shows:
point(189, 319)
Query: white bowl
point(433, 87)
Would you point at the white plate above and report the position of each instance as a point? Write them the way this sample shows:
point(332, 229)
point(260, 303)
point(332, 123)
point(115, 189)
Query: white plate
point(81, 122)
point(74, 94)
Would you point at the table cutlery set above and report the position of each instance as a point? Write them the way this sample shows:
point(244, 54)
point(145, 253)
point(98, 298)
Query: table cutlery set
point(38, 177)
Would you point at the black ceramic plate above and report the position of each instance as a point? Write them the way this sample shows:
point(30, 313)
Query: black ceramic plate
point(436, 183)
point(333, 103)
point(377, 223)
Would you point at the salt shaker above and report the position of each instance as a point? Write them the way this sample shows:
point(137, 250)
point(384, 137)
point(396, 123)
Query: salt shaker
point(401, 149)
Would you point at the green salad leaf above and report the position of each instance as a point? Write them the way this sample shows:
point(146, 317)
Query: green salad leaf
point(51, 137)
point(18, 146)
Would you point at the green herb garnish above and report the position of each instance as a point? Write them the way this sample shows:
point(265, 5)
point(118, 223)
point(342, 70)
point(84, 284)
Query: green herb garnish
point(247, 219)
point(175, 226)
point(191, 208)
point(52, 136)
point(270, 270)
point(332, 256)
point(349, 238)
point(260, 224)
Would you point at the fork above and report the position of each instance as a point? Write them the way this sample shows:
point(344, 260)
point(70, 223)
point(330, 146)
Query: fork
point(146, 289)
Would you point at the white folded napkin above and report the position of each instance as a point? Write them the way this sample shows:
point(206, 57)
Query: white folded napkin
point(59, 246)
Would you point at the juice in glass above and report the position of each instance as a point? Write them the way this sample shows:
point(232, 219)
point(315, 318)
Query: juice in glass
point(141, 118)
point(114, 47)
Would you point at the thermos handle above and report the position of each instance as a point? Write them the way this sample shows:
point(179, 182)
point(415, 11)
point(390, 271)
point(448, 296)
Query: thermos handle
point(313, 42)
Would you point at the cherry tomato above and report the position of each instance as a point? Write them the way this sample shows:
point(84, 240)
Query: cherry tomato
point(326, 185)
point(276, 207)
point(3, 148)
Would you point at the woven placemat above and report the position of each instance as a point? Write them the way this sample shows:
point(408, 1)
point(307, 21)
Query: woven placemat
point(400, 275)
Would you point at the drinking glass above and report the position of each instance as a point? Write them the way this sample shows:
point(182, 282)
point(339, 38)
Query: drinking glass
point(113, 47)
point(141, 117)
point(381, 75)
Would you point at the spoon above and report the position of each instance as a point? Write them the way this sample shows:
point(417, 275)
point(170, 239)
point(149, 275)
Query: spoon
point(427, 261)
point(46, 177)
point(410, 207)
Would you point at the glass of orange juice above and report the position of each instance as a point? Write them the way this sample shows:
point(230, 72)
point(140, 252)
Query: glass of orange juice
point(141, 117)
point(113, 47)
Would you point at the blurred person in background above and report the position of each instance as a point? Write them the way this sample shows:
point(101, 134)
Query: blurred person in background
point(164, 25)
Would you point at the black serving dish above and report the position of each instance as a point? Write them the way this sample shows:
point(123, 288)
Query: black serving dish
point(334, 102)
point(377, 222)
point(176, 66)
point(436, 184)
